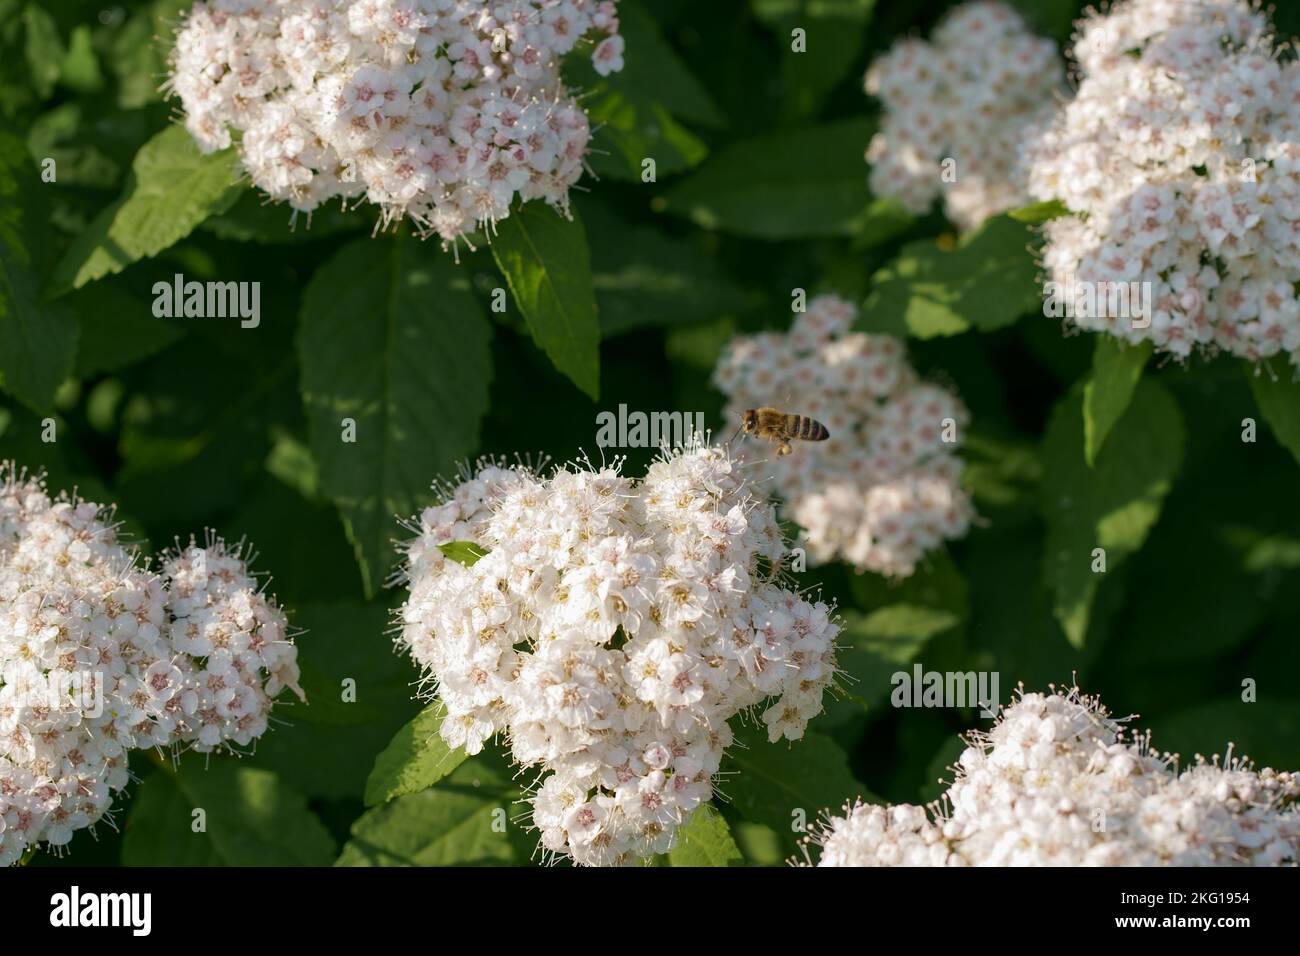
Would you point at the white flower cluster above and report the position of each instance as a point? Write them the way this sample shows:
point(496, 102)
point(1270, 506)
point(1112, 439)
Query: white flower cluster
point(441, 110)
point(885, 487)
point(1180, 156)
point(968, 96)
point(99, 656)
point(611, 630)
point(1056, 783)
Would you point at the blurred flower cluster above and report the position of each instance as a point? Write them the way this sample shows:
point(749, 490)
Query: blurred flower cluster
point(968, 96)
point(100, 656)
point(1056, 783)
point(610, 630)
point(885, 487)
point(440, 110)
point(1180, 159)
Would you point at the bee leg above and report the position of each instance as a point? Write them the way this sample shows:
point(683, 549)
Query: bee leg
point(783, 450)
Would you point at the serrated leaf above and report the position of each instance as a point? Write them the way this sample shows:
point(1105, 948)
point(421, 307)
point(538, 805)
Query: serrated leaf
point(986, 282)
point(1116, 370)
point(1277, 393)
point(462, 552)
point(171, 190)
point(1111, 506)
point(788, 782)
point(391, 338)
point(706, 840)
point(458, 822)
point(252, 818)
point(1039, 212)
point(414, 760)
point(38, 339)
point(546, 262)
point(794, 184)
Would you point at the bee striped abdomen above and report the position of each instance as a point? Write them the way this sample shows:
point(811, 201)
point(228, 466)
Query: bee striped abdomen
point(808, 429)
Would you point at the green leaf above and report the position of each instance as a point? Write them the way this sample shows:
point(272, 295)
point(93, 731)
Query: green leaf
point(835, 32)
point(1053, 18)
point(462, 821)
point(45, 50)
point(80, 67)
point(644, 277)
point(705, 841)
point(1111, 506)
point(1039, 212)
point(253, 218)
point(1266, 730)
point(1116, 370)
point(1277, 393)
point(546, 262)
point(414, 760)
point(391, 338)
point(634, 113)
point(903, 617)
point(795, 184)
point(785, 784)
point(358, 695)
point(37, 339)
point(252, 819)
point(138, 52)
point(462, 552)
point(987, 282)
point(172, 188)
point(116, 329)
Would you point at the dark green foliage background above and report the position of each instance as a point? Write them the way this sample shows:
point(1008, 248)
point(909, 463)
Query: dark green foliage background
point(195, 423)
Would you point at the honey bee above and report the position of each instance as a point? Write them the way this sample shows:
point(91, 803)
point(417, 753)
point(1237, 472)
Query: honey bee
point(772, 424)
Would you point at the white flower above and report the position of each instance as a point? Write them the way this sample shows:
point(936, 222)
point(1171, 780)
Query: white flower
point(100, 656)
point(1055, 782)
point(884, 488)
point(441, 110)
point(601, 634)
point(967, 96)
point(1179, 157)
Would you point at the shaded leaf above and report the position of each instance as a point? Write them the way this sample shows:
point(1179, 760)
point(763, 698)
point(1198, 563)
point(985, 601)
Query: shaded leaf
point(794, 184)
point(252, 819)
point(330, 742)
point(116, 329)
point(635, 112)
point(545, 261)
point(643, 277)
point(787, 783)
point(1277, 393)
point(392, 339)
point(38, 339)
point(834, 34)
